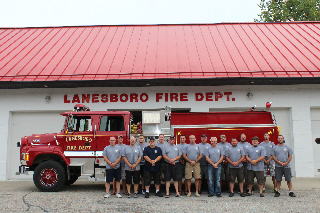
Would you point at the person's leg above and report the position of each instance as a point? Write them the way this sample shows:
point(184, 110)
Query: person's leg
point(118, 187)
point(135, 188)
point(167, 187)
point(241, 187)
point(188, 185)
point(211, 180)
point(107, 185)
point(114, 186)
point(217, 174)
point(197, 183)
point(175, 183)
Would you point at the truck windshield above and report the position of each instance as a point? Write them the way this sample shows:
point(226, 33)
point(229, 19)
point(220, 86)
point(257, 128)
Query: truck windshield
point(79, 123)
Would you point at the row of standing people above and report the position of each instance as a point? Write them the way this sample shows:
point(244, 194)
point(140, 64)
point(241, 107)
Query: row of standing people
point(215, 162)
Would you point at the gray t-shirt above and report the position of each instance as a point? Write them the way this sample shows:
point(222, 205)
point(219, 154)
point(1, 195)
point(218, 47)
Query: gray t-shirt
point(193, 151)
point(244, 146)
point(254, 153)
point(162, 147)
point(172, 151)
point(182, 147)
point(268, 147)
point(144, 145)
point(235, 154)
point(121, 147)
point(282, 153)
point(225, 146)
point(205, 147)
point(215, 153)
point(112, 153)
point(132, 154)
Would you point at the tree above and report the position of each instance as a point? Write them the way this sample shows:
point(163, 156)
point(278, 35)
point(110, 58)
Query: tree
point(289, 10)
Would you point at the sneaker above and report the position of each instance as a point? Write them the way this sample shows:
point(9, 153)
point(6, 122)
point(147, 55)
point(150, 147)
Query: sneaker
point(189, 194)
point(128, 195)
point(275, 190)
point(147, 195)
point(249, 194)
point(107, 195)
point(143, 191)
point(159, 194)
point(197, 195)
point(210, 195)
point(219, 195)
point(135, 195)
point(242, 194)
point(261, 195)
point(231, 194)
point(200, 192)
point(118, 195)
point(291, 194)
point(277, 194)
point(264, 190)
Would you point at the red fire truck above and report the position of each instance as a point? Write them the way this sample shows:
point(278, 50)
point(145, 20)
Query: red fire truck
point(60, 158)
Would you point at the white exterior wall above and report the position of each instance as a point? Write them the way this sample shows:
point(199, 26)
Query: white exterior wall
point(295, 100)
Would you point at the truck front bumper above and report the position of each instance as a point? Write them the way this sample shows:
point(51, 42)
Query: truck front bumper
point(23, 170)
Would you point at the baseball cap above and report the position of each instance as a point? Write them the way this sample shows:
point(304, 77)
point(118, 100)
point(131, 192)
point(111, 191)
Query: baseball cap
point(151, 139)
point(120, 136)
point(203, 135)
point(171, 137)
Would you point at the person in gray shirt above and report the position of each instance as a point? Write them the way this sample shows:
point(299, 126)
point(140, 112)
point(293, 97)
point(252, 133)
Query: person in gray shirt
point(203, 162)
point(162, 144)
point(245, 145)
point(268, 161)
point(255, 157)
point(112, 157)
point(192, 155)
point(182, 145)
point(214, 158)
point(225, 170)
point(171, 156)
point(235, 155)
point(142, 145)
point(122, 146)
point(132, 156)
point(282, 155)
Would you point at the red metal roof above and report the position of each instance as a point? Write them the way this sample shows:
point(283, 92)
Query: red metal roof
point(161, 51)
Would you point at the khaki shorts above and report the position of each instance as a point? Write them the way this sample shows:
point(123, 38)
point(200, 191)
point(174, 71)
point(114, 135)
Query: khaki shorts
point(195, 169)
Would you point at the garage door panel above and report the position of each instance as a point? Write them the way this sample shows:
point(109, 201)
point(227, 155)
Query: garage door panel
point(24, 124)
point(315, 128)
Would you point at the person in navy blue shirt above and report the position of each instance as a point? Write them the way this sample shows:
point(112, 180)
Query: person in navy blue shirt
point(152, 154)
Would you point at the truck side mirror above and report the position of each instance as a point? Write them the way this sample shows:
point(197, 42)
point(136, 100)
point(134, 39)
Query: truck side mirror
point(18, 144)
point(317, 140)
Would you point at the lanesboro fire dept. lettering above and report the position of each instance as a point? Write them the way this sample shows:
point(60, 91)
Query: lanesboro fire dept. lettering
point(144, 97)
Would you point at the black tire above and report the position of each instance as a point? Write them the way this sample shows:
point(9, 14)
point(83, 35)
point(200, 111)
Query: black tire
point(73, 178)
point(49, 176)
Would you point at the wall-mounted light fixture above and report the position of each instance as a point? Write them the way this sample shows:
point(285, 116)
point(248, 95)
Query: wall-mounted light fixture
point(250, 95)
point(48, 98)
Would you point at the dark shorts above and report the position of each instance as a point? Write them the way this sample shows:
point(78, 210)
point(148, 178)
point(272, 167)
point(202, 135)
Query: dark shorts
point(113, 173)
point(182, 170)
point(141, 170)
point(132, 174)
point(172, 172)
point(236, 173)
point(224, 172)
point(204, 171)
point(282, 171)
point(245, 171)
point(258, 174)
point(148, 176)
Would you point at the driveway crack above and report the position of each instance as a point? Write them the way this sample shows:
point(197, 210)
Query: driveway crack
point(30, 205)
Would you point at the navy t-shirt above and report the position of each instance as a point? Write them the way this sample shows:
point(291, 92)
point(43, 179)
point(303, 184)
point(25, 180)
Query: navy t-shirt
point(152, 153)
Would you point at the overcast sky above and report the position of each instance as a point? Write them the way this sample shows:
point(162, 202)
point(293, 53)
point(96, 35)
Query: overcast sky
point(38, 13)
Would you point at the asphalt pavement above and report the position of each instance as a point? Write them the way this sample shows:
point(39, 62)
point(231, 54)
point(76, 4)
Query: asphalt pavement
point(86, 196)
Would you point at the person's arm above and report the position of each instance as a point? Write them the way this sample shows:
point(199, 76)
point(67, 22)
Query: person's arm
point(254, 162)
point(199, 158)
point(147, 158)
point(166, 157)
point(209, 161)
point(229, 160)
point(127, 162)
point(137, 163)
point(107, 160)
point(236, 164)
point(288, 161)
point(220, 160)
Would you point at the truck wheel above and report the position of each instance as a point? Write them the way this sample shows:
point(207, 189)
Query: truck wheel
point(73, 178)
point(49, 176)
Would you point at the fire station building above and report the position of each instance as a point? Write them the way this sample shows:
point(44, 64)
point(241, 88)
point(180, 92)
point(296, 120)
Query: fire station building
point(192, 68)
